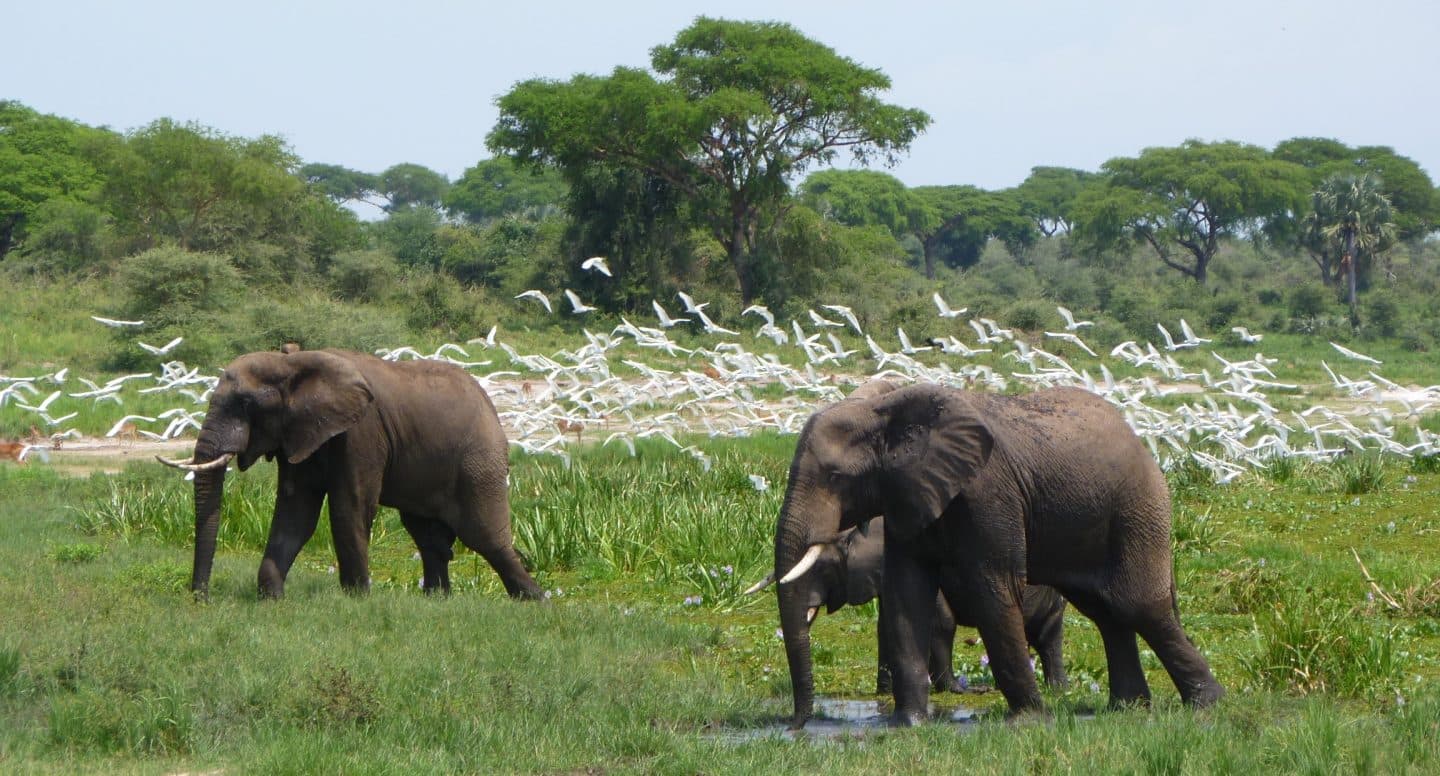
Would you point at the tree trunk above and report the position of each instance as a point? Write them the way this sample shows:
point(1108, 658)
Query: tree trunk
point(1350, 262)
point(740, 260)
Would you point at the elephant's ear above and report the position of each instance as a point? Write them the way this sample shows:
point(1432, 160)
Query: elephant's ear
point(327, 395)
point(934, 442)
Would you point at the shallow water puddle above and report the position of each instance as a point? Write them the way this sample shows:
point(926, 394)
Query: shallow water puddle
point(838, 719)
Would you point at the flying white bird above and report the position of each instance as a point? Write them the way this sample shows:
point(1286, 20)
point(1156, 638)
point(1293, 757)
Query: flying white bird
point(710, 326)
point(537, 296)
point(1071, 337)
point(1189, 333)
point(759, 482)
point(822, 321)
point(944, 307)
point(163, 350)
point(488, 340)
point(905, 346)
point(114, 324)
point(1348, 353)
point(597, 264)
point(665, 320)
point(690, 305)
point(577, 305)
point(762, 311)
point(1246, 336)
point(846, 313)
point(121, 423)
point(1070, 323)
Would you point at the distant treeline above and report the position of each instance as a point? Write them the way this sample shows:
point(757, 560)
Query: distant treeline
point(709, 171)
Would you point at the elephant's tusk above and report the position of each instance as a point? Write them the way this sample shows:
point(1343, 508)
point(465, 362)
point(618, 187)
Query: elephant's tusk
point(761, 585)
point(810, 614)
point(811, 555)
point(218, 463)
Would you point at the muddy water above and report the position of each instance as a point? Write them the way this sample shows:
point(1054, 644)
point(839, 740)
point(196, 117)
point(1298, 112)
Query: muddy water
point(838, 719)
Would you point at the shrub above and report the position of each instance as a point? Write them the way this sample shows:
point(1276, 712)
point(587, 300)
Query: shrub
point(363, 276)
point(1307, 300)
point(1030, 315)
point(1382, 313)
point(168, 285)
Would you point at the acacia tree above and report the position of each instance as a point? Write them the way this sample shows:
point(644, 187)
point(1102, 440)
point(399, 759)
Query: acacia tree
point(1353, 213)
point(495, 188)
point(1183, 201)
point(733, 111)
point(1048, 196)
point(959, 220)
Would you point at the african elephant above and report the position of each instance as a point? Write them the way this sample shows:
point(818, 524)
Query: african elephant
point(990, 493)
point(419, 436)
point(848, 572)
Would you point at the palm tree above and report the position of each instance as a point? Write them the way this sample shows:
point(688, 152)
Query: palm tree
point(1353, 214)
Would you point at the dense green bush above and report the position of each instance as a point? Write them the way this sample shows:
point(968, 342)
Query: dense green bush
point(363, 275)
point(168, 285)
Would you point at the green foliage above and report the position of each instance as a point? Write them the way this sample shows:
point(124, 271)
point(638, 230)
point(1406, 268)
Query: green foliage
point(78, 552)
point(1307, 644)
point(1185, 200)
point(496, 188)
point(409, 186)
point(42, 160)
point(754, 90)
point(363, 275)
point(410, 234)
point(1308, 300)
point(169, 285)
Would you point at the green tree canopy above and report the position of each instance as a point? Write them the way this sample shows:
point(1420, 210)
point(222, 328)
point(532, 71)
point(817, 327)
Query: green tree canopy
point(407, 184)
point(1048, 196)
point(1410, 191)
point(41, 159)
point(495, 188)
point(961, 219)
point(865, 198)
point(200, 188)
point(342, 184)
point(1352, 213)
point(1181, 201)
point(738, 109)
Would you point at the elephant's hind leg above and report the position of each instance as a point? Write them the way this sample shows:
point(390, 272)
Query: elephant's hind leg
point(1188, 669)
point(1122, 655)
point(484, 526)
point(436, 542)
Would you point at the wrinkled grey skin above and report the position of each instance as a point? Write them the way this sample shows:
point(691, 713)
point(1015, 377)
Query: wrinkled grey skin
point(419, 436)
point(849, 573)
point(990, 493)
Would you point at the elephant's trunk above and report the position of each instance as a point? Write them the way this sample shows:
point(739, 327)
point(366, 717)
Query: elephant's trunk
point(801, 526)
point(209, 487)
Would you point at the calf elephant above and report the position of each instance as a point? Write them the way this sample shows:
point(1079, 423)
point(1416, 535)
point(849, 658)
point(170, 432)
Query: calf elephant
point(990, 493)
point(419, 436)
point(849, 572)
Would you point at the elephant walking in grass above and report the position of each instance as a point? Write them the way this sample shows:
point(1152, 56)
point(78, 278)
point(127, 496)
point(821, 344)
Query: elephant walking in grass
point(419, 436)
point(986, 494)
point(849, 572)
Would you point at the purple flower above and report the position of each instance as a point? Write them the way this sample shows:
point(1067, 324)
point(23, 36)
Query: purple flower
point(985, 660)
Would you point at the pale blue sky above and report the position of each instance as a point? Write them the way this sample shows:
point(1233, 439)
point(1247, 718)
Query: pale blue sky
point(1010, 85)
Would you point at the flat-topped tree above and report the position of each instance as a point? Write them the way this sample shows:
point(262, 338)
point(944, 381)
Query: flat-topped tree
point(733, 111)
point(1182, 200)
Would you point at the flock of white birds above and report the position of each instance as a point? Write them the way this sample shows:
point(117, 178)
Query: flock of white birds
point(725, 383)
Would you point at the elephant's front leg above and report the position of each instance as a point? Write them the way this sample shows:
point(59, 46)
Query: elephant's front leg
point(1001, 623)
point(908, 606)
point(297, 510)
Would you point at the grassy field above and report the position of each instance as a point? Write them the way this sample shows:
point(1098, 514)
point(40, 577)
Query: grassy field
point(646, 659)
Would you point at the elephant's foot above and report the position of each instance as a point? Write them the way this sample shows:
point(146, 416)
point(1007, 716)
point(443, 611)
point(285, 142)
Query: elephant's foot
point(884, 683)
point(1205, 695)
point(948, 684)
point(907, 718)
